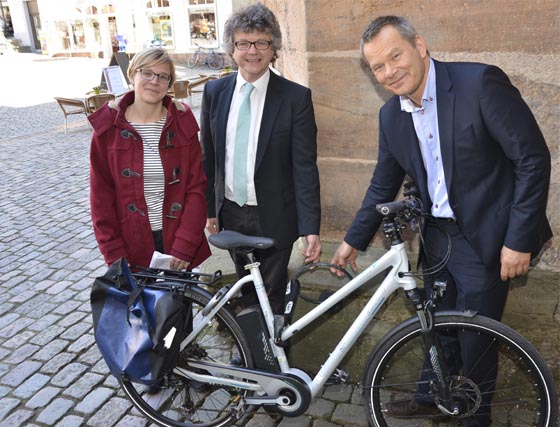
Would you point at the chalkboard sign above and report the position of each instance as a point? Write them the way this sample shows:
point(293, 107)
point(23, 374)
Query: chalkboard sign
point(114, 78)
point(122, 60)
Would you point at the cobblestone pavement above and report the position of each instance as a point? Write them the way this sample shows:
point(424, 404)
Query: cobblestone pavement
point(51, 373)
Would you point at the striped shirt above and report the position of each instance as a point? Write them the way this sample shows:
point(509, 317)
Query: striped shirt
point(154, 180)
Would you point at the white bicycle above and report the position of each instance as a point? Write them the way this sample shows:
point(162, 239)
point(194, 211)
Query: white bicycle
point(225, 372)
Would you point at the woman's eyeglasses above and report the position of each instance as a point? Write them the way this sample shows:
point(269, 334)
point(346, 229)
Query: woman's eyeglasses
point(149, 75)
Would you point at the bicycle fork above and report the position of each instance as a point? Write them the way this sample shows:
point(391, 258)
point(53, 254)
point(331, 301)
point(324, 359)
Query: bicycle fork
point(435, 355)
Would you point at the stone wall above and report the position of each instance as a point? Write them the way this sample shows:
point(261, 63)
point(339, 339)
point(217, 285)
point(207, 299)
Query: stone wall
point(321, 41)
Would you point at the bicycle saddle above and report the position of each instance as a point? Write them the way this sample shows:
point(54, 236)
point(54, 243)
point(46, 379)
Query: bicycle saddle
point(228, 239)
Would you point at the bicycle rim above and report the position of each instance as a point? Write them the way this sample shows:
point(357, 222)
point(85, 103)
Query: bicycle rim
point(176, 401)
point(215, 62)
point(191, 62)
point(522, 393)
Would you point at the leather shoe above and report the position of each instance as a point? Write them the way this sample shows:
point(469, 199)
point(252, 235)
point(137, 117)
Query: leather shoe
point(410, 408)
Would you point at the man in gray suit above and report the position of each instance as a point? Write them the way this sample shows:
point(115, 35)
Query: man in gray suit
point(463, 133)
point(280, 194)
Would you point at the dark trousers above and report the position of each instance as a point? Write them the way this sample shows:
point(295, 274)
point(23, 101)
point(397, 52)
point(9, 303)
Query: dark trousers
point(470, 285)
point(273, 261)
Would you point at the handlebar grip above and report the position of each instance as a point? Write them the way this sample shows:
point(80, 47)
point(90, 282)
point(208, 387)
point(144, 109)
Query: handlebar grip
point(393, 208)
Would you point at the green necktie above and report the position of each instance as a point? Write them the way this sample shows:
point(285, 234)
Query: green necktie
point(241, 146)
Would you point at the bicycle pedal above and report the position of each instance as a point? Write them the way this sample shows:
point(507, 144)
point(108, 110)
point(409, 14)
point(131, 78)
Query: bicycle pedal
point(339, 376)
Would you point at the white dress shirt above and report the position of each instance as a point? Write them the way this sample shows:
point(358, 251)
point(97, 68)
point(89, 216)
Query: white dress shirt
point(257, 106)
point(425, 120)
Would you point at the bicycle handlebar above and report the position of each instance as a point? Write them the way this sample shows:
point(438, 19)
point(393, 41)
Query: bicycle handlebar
point(412, 205)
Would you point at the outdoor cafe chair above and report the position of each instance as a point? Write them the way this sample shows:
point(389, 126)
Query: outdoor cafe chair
point(71, 106)
point(94, 102)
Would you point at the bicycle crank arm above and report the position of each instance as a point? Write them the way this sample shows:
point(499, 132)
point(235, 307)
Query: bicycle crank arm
point(290, 393)
point(276, 400)
point(210, 379)
point(269, 382)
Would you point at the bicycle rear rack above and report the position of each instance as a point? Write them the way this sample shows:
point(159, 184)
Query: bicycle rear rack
point(185, 277)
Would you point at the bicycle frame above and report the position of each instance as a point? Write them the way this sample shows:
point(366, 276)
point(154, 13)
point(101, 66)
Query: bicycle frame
point(217, 351)
point(395, 258)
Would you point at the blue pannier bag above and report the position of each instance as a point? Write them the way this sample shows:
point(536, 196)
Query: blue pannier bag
point(137, 329)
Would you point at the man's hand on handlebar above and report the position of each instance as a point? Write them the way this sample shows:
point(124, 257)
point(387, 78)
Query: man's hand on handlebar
point(345, 254)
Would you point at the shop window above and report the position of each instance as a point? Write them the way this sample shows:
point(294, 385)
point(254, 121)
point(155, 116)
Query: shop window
point(93, 32)
point(108, 8)
point(78, 34)
point(157, 3)
point(6, 21)
point(112, 24)
point(162, 30)
point(62, 35)
point(202, 23)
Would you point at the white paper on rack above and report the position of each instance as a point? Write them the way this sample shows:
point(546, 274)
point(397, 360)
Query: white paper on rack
point(160, 260)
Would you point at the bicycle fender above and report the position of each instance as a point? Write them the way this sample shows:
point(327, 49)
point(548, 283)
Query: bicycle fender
point(464, 313)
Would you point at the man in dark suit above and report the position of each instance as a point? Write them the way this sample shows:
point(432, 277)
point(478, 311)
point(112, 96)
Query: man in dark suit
point(280, 197)
point(463, 133)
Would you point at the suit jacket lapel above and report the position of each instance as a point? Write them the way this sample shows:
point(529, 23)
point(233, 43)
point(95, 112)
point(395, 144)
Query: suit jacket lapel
point(446, 110)
point(272, 104)
point(224, 102)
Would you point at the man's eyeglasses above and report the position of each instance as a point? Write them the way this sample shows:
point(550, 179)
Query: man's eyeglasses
point(149, 75)
point(246, 45)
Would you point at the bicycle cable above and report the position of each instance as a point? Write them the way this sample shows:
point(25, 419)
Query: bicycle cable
point(430, 271)
point(313, 266)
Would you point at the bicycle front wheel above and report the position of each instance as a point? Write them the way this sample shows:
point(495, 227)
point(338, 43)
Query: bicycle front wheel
point(191, 62)
point(215, 61)
point(179, 402)
point(517, 390)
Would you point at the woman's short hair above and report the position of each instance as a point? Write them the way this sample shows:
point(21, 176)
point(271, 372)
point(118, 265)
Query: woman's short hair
point(150, 57)
point(256, 17)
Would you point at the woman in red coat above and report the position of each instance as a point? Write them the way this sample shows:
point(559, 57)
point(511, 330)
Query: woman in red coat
point(147, 185)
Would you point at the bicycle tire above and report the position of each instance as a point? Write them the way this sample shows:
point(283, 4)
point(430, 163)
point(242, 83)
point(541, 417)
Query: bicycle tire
point(191, 62)
point(215, 61)
point(178, 402)
point(523, 394)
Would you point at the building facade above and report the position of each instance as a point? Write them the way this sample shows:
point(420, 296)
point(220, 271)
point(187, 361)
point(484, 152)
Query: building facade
point(96, 28)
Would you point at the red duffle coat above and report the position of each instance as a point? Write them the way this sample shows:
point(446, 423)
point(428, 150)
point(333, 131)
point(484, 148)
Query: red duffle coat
point(118, 207)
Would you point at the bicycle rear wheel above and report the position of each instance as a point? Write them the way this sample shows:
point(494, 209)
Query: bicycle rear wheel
point(215, 61)
point(522, 394)
point(178, 402)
